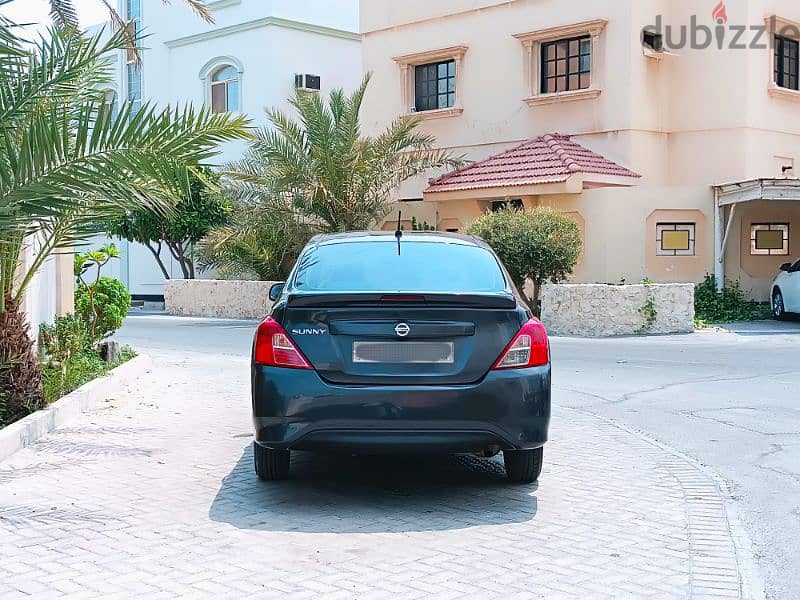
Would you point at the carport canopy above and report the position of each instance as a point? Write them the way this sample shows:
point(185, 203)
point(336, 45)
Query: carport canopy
point(736, 193)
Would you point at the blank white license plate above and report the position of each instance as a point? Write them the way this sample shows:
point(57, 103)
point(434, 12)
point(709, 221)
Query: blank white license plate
point(436, 353)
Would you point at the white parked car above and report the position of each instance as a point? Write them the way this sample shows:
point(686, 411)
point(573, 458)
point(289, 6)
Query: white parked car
point(786, 291)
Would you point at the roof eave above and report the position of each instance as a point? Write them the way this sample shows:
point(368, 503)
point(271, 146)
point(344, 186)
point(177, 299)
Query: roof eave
point(601, 180)
point(572, 185)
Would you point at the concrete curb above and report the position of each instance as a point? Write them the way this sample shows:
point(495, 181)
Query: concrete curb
point(86, 398)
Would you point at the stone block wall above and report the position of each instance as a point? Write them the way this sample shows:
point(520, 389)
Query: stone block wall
point(589, 310)
point(217, 298)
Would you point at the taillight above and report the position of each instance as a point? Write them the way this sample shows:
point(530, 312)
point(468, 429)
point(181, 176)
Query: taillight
point(529, 348)
point(273, 348)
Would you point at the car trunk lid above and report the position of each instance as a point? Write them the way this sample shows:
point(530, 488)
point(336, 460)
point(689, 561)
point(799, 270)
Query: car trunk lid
point(396, 339)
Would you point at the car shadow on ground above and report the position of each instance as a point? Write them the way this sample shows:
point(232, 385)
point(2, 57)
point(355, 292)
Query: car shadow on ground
point(371, 494)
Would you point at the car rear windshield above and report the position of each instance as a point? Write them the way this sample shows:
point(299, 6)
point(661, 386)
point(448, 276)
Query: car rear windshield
point(374, 266)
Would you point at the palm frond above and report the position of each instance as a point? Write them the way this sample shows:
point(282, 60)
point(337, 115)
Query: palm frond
point(55, 68)
point(64, 14)
point(263, 239)
point(61, 156)
point(200, 9)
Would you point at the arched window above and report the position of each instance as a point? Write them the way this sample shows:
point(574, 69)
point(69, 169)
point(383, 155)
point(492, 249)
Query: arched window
point(225, 89)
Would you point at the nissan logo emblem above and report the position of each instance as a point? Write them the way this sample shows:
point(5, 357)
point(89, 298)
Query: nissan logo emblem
point(402, 329)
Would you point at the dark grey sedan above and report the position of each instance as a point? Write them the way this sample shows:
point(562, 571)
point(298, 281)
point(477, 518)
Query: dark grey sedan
point(416, 344)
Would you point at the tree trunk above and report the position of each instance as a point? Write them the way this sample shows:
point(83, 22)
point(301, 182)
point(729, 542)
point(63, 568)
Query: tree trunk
point(157, 253)
point(178, 251)
point(20, 372)
point(535, 304)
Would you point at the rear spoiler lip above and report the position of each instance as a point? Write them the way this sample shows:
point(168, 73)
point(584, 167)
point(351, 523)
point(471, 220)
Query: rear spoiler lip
point(379, 299)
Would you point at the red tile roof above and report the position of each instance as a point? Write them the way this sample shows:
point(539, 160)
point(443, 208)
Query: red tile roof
point(551, 158)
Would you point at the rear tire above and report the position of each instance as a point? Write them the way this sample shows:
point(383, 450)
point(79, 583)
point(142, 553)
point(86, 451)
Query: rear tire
point(778, 307)
point(271, 465)
point(523, 466)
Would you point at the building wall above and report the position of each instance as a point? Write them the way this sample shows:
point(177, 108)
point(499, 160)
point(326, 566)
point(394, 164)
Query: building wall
point(50, 293)
point(250, 36)
point(694, 118)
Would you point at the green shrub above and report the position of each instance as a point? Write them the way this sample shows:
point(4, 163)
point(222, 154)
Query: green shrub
point(101, 302)
point(82, 368)
point(103, 306)
point(540, 245)
point(730, 304)
point(68, 357)
point(421, 225)
point(59, 346)
point(59, 342)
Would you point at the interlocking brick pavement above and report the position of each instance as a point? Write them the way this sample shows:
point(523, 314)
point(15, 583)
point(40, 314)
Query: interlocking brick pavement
point(155, 496)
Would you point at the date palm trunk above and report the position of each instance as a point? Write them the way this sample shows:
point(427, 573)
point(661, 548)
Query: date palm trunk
point(20, 372)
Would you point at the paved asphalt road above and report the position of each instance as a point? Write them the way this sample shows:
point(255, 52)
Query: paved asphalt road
point(728, 399)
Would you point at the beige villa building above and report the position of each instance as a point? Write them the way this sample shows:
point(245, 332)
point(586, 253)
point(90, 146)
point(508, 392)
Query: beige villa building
point(676, 157)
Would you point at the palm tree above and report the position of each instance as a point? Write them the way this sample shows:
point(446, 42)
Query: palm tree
point(67, 161)
point(333, 175)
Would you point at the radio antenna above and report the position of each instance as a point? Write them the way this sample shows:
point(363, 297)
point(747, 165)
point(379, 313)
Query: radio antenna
point(398, 232)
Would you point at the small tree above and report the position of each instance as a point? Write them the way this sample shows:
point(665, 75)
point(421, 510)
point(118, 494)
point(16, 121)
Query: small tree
point(540, 245)
point(194, 216)
point(101, 302)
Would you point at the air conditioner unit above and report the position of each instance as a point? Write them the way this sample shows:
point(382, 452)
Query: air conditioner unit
point(653, 45)
point(307, 82)
point(653, 40)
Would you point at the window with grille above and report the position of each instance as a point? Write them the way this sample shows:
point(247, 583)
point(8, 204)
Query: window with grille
point(787, 74)
point(566, 65)
point(769, 239)
point(675, 239)
point(435, 85)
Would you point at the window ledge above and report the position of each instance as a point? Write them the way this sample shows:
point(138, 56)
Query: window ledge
point(785, 93)
point(545, 99)
point(439, 113)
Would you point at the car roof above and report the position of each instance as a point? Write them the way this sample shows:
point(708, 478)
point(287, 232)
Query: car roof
point(439, 237)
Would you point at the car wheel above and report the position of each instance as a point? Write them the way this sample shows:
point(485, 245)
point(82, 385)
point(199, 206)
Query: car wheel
point(271, 465)
point(778, 308)
point(523, 466)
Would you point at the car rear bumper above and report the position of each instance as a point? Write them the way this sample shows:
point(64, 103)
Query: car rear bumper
point(298, 410)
